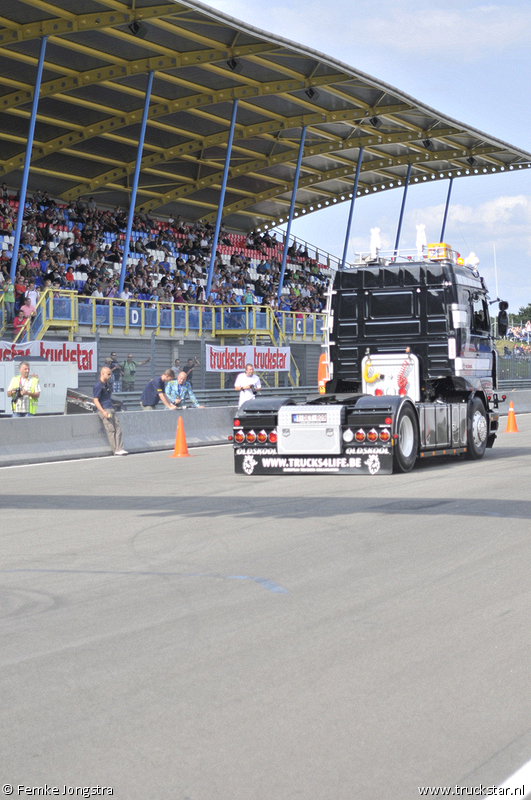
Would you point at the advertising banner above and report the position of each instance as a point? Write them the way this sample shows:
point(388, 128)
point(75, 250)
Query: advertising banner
point(232, 359)
point(84, 354)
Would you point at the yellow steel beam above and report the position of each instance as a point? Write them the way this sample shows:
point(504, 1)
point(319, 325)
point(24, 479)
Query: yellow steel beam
point(74, 23)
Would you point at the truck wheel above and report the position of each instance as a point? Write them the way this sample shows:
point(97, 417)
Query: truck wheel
point(406, 446)
point(477, 430)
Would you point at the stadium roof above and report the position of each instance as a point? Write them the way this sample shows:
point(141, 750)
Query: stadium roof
point(98, 56)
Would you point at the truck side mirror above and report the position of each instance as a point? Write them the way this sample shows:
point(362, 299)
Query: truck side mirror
point(503, 320)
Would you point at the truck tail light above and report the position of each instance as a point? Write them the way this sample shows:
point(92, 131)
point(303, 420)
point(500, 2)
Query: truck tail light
point(239, 437)
point(262, 437)
point(273, 437)
point(385, 435)
point(251, 437)
point(237, 423)
point(360, 435)
point(372, 436)
point(388, 421)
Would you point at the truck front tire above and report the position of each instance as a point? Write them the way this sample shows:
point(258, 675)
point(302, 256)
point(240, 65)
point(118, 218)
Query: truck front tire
point(477, 430)
point(406, 447)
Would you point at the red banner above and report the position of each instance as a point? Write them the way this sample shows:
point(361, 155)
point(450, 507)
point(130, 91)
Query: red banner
point(85, 354)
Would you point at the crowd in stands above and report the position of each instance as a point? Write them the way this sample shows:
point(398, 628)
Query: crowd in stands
point(79, 246)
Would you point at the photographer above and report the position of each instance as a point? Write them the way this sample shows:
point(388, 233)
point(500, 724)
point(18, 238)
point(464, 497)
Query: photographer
point(180, 392)
point(247, 384)
point(24, 392)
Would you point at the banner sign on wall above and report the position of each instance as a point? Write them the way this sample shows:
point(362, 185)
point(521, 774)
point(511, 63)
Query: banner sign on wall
point(230, 359)
point(85, 354)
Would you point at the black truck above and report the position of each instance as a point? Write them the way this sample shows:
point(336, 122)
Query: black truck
point(412, 374)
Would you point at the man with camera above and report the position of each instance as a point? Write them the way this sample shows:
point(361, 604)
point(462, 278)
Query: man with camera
point(24, 392)
point(247, 384)
point(180, 392)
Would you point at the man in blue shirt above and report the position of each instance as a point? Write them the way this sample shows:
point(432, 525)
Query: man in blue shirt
point(180, 392)
point(103, 401)
point(154, 392)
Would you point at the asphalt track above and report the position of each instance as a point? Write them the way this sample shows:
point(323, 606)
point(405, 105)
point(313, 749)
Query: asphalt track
point(171, 630)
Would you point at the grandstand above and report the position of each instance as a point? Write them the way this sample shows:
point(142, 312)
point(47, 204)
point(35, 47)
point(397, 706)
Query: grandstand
point(182, 113)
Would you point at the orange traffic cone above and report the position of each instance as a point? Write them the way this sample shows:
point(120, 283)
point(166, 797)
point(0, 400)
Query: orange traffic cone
point(511, 420)
point(180, 450)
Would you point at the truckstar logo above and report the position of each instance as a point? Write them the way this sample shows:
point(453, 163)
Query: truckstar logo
point(230, 358)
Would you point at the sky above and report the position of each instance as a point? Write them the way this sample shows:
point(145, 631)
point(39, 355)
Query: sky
point(468, 60)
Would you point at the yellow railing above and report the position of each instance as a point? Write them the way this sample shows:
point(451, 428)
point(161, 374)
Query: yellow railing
point(68, 310)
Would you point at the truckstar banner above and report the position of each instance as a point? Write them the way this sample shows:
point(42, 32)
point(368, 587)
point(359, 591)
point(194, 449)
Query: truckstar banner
point(230, 359)
point(83, 353)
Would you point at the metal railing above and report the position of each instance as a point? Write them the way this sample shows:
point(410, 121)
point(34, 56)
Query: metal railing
point(68, 310)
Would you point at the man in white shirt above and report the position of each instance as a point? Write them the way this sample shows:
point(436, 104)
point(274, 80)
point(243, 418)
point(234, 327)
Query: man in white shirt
point(247, 384)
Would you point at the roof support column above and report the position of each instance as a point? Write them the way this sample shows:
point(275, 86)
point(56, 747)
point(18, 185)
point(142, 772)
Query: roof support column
point(135, 181)
point(291, 210)
point(27, 160)
point(446, 210)
point(221, 199)
point(402, 211)
point(351, 212)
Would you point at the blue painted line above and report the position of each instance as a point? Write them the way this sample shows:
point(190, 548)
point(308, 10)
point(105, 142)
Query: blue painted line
point(265, 582)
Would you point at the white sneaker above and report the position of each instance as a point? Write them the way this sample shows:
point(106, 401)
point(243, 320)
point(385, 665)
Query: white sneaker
point(121, 453)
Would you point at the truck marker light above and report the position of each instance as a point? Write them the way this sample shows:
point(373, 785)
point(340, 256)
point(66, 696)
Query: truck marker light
point(360, 435)
point(251, 437)
point(262, 437)
point(348, 435)
point(237, 423)
point(273, 437)
point(239, 437)
point(388, 421)
point(372, 436)
point(378, 392)
point(385, 435)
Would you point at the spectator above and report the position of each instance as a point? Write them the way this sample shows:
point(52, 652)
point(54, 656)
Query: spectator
point(180, 392)
point(9, 302)
point(102, 396)
point(117, 372)
point(154, 392)
point(191, 364)
point(18, 324)
point(129, 368)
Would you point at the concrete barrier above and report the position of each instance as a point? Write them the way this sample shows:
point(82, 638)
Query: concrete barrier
point(521, 400)
point(33, 440)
